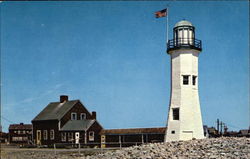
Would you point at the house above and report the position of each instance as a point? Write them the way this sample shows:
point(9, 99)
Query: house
point(244, 132)
point(66, 121)
point(212, 132)
point(205, 130)
point(20, 133)
point(129, 137)
point(3, 137)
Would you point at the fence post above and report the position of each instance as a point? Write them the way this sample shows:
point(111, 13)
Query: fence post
point(79, 148)
point(120, 142)
point(55, 148)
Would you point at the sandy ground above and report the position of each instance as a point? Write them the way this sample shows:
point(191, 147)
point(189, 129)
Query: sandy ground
point(42, 153)
point(213, 148)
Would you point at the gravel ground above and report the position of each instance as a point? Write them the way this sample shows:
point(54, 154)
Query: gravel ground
point(214, 148)
point(229, 148)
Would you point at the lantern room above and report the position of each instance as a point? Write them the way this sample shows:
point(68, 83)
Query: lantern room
point(184, 37)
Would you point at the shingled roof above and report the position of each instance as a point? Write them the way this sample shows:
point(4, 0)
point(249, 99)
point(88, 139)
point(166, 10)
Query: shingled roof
point(20, 126)
point(55, 110)
point(160, 130)
point(77, 125)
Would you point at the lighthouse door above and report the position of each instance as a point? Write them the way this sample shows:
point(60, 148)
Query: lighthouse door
point(187, 135)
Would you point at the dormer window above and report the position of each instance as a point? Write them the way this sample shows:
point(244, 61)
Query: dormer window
point(73, 116)
point(83, 116)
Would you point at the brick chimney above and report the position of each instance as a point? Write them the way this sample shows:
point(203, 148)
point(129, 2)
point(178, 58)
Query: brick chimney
point(93, 116)
point(63, 98)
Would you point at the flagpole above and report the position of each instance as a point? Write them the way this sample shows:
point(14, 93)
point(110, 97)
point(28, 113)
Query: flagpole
point(167, 23)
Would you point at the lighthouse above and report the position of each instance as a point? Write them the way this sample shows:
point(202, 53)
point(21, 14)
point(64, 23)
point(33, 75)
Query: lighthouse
point(184, 116)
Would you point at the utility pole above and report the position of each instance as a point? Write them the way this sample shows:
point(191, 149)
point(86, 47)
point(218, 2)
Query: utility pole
point(225, 129)
point(218, 126)
point(221, 124)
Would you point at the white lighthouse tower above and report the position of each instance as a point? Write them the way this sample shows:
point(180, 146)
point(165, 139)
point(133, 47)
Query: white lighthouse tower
point(184, 117)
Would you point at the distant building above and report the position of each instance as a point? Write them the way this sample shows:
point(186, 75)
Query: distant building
point(244, 132)
point(205, 130)
point(66, 121)
point(212, 132)
point(3, 137)
point(20, 133)
point(129, 137)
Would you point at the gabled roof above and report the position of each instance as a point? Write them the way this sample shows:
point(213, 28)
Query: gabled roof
point(160, 130)
point(77, 125)
point(20, 126)
point(55, 110)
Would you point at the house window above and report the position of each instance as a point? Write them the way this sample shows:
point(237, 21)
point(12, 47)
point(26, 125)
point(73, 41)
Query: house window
point(18, 132)
point(185, 79)
point(91, 136)
point(175, 113)
point(194, 80)
point(172, 132)
point(83, 116)
point(70, 136)
point(73, 116)
point(45, 134)
point(63, 136)
point(52, 134)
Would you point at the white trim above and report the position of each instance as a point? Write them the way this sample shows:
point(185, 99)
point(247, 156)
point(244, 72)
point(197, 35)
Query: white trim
point(91, 136)
point(52, 135)
point(63, 136)
point(70, 136)
point(45, 134)
point(81, 115)
point(73, 113)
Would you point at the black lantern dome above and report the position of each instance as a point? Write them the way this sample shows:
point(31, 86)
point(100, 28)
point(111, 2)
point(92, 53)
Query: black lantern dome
point(183, 37)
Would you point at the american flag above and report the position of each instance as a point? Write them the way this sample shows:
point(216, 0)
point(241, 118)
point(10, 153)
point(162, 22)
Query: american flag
point(161, 13)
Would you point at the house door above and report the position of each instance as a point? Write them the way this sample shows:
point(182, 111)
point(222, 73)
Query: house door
point(38, 137)
point(77, 137)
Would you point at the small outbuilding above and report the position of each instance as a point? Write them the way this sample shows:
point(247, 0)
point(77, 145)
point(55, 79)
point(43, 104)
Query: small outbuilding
point(129, 137)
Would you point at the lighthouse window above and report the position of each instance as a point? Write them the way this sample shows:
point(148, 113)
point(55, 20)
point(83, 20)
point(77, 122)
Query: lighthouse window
point(176, 114)
point(185, 79)
point(194, 80)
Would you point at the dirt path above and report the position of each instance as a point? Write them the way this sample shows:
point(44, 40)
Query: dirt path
point(37, 153)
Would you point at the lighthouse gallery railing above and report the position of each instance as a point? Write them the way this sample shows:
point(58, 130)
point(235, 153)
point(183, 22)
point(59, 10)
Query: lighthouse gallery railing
point(184, 42)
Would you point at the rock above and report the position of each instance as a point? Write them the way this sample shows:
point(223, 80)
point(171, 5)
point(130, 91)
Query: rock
point(212, 148)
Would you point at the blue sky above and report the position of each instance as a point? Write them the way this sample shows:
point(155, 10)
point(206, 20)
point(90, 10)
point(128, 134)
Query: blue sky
point(111, 56)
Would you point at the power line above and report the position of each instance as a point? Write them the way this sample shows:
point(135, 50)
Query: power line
point(232, 126)
point(7, 119)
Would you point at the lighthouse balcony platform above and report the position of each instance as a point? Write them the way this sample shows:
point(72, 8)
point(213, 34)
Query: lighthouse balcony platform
point(184, 44)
